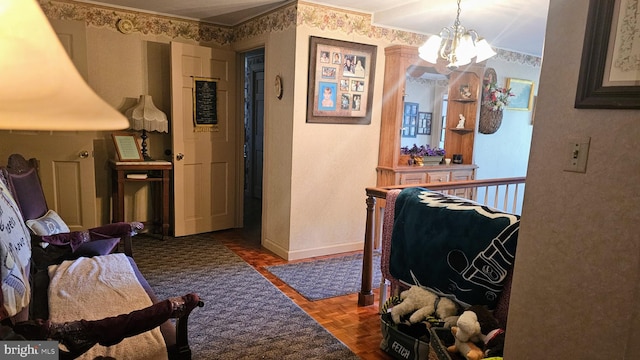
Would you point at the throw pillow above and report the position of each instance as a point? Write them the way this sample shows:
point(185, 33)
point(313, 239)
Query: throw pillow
point(48, 224)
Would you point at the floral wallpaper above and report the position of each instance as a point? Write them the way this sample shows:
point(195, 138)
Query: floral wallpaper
point(283, 18)
point(147, 24)
point(428, 82)
point(325, 18)
point(515, 57)
point(279, 19)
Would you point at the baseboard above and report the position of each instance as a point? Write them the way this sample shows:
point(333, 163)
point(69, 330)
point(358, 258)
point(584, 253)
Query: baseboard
point(308, 253)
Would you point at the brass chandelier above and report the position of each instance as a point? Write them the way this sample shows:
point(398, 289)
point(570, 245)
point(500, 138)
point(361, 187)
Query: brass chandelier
point(456, 45)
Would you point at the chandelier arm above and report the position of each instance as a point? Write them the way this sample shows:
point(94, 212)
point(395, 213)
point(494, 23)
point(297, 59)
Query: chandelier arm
point(446, 36)
point(474, 35)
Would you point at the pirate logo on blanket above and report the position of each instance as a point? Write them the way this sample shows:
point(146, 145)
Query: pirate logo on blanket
point(455, 247)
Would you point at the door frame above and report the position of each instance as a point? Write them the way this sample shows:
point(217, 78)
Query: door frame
point(241, 111)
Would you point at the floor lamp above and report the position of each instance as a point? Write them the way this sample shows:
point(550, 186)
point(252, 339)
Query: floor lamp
point(40, 87)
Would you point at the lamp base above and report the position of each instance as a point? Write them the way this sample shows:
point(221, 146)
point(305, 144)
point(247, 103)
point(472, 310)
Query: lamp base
point(143, 146)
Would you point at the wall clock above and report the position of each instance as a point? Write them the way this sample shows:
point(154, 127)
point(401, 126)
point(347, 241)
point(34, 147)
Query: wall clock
point(278, 87)
point(125, 26)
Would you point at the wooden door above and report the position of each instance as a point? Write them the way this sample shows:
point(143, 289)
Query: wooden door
point(66, 171)
point(205, 157)
point(257, 127)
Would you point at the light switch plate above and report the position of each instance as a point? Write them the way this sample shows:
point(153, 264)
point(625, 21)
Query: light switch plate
point(576, 154)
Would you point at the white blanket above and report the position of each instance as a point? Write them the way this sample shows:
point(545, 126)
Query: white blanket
point(15, 251)
point(100, 287)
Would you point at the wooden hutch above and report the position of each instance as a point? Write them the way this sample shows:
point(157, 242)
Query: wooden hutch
point(402, 61)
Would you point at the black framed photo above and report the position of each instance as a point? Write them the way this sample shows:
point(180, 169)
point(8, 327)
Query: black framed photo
point(205, 104)
point(410, 120)
point(609, 78)
point(341, 78)
point(424, 123)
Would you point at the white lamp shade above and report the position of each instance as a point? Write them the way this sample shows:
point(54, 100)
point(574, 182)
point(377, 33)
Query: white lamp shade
point(41, 89)
point(484, 50)
point(466, 50)
point(429, 50)
point(146, 116)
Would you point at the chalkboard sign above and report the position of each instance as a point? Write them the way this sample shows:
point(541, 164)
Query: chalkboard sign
point(205, 109)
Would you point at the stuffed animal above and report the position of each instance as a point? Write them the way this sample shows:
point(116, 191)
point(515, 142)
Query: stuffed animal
point(465, 333)
point(492, 335)
point(422, 303)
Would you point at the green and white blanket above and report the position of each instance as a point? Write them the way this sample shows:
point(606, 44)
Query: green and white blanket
point(452, 246)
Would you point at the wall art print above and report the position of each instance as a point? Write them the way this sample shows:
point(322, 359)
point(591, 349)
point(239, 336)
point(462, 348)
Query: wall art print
point(205, 105)
point(341, 78)
point(522, 91)
point(608, 77)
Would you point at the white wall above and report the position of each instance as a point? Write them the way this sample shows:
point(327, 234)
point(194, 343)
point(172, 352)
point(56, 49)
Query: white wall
point(278, 137)
point(332, 164)
point(577, 270)
point(505, 153)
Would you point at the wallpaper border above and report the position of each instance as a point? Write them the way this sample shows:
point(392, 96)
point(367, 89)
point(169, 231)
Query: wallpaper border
point(280, 19)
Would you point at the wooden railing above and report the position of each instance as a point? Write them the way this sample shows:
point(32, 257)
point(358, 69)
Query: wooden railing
point(503, 194)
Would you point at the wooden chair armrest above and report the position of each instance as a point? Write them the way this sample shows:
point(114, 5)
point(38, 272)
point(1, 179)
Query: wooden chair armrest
point(182, 348)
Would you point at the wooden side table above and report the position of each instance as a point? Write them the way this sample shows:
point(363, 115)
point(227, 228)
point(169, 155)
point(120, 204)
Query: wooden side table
point(156, 172)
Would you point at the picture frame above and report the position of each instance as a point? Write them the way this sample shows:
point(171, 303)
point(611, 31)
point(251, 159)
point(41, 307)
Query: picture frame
point(205, 104)
point(424, 123)
point(341, 81)
point(523, 94)
point(127, 147)
point(610, 32)
point(410, 120)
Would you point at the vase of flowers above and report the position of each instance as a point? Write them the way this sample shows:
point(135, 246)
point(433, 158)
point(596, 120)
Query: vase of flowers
point(423, 154)
point(494, 100)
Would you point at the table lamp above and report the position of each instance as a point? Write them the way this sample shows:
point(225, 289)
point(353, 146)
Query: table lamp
point(146, 116)
point(41, 88)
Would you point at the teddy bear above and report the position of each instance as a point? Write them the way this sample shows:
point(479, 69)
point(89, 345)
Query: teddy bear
point(465, 333)
point(422, 303)
point(492, 335)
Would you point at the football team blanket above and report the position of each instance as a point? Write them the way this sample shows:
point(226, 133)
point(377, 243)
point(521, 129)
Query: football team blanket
point(452, 246)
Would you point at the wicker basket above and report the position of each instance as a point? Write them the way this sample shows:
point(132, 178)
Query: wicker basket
point(489, 120)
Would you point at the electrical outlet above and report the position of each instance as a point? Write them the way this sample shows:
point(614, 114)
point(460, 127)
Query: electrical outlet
point(577, 153)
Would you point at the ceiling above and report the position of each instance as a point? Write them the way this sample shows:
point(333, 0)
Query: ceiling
point(517, 25)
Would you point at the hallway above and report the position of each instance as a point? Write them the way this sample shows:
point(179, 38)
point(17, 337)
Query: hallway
point(357, 327)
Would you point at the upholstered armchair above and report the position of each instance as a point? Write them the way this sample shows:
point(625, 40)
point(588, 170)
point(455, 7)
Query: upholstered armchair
point(50, 285)
point(48, 228)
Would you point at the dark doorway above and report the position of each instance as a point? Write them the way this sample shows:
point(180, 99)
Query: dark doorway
point(254, 142)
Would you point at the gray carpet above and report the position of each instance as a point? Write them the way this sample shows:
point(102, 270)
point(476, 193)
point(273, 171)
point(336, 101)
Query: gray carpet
point(245, 316)
point(321, 279)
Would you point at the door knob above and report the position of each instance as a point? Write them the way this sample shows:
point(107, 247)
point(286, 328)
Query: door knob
point(179, 156)
point(83, 154)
